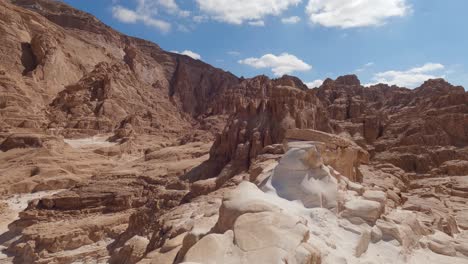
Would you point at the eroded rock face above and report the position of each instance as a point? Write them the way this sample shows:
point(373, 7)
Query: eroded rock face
point(412, 129)
point(274, 226)
point(262, 117)
point(343, 155)
point(69, 72)
point(150, 190)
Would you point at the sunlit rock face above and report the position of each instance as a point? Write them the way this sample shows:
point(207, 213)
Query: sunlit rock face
point(301, 176)
point(342, 154)
point(307, 212)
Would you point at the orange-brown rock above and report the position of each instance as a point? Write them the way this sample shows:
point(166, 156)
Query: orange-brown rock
point(262, 120)
point(416, 130)
point(107, 154)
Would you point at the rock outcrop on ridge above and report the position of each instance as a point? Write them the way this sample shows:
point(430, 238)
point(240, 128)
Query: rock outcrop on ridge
point(417, 130)
point(113, 150)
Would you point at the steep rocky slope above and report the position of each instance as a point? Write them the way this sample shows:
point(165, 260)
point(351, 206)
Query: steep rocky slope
point(67, 70)
point(113, 150)
point(276, 105)
point(416, 130)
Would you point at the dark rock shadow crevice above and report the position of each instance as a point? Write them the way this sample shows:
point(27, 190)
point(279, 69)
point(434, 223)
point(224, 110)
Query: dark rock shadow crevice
point(28, 59)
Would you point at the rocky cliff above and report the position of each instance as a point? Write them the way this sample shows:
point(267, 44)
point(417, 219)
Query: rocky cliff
point(64, 69)
point(113, 150)
point(416, 130)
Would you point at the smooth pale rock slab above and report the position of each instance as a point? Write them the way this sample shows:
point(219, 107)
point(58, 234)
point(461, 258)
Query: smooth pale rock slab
point(157, 257)
point(367, 210)
point(269, 230)
point(199, 230)
point(305, 253)
point(134, 249)
point(376, 234)
point(301, 176)
point(259, 172)
point(246, 198)
point(377, 196)
point(441, 243)
point(363, 243)
point(342, 154)
point(405, 233)
point(214, 249)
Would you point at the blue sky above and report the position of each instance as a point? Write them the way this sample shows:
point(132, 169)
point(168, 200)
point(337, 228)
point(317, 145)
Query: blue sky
point(394, 41)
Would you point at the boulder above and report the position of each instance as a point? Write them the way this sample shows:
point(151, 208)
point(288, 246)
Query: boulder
point(132, 251)
point(246, 198)
point(367, 210)
point(301, 175)
point(342, 154)
point(377, 196)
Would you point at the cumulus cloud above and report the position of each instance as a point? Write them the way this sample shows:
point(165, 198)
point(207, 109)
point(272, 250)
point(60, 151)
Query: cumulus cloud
point(280, 65)
point(169, 5)
point(145, 12)
point(355, 13)
point(291, 20)
point(314, 84)
point(126, 15)
point(240, 11)
point(188, 53)
point(410, 78)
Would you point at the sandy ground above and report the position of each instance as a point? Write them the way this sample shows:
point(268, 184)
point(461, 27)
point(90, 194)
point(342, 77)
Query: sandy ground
point(99, 141)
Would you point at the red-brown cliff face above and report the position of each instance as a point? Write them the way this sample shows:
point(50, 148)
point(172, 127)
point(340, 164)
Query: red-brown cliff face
point(264, 109)
point(66, 70)
point(416, 130)
point(138, 194)
point(69, 72)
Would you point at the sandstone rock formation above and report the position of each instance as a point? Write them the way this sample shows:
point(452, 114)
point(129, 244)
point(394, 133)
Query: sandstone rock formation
point(94, 78)
point(113, 150)
point(259, 121)
point(278, 226)
point(343, 155)
point(416, 130)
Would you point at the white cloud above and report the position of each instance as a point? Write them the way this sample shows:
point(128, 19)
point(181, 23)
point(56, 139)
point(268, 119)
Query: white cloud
point(410, 78)
point(145, 12)
point(364, 67)
point(124, 15)
point(189, 53)
point(355, 13)
point(169, 6)
point(314, 84)
point(291, 20)
point(240, 11)
point(280, 65)
point(257, 23)
point(129, 16)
